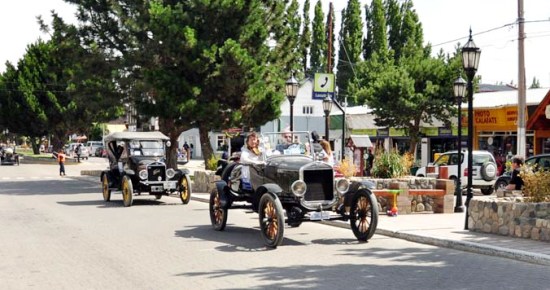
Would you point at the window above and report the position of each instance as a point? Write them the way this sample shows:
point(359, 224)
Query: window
point(307, 110)
point(220, 141)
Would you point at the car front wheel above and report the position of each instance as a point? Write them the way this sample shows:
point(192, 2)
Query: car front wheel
point(218, 213)
point(272, 220)
point(127, 191)
point(363, 215)
point(105, 187)
point(184, 189)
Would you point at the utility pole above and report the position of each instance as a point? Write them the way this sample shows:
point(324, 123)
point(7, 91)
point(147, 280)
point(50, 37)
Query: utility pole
point(521, 136)
point(329, 38)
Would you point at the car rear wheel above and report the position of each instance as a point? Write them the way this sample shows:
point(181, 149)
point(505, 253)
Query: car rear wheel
point(272, 220)
point(127, 191)
point(487, 190)
point(363, 215)
point(184, 189)
point(501, 184)
point(105, 187)
point(218, 213)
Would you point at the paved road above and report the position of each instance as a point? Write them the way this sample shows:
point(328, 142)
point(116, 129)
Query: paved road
point(57, 233)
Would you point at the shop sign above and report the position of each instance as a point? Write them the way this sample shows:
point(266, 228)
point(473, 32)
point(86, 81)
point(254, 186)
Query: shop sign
point(496, 117)
point(383, 133)
point(445, 132)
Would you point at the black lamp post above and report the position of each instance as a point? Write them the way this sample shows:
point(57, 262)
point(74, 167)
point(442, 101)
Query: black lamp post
point(291, 87)
point(470, 62)
point(327, 106)
point(459, 88)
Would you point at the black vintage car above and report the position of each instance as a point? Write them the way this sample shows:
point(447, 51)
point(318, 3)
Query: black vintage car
point(137, 165)
point(291, 186)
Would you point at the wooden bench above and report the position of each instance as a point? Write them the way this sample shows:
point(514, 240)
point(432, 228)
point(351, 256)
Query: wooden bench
point(443, 199)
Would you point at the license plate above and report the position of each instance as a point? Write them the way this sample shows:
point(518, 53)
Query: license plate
point(170, 185)
point(319, 215)
point(157, 188)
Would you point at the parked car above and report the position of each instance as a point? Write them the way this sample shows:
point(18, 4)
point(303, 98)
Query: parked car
point(541, 161)
point(291, 186)
point(100, 152)
point(137, 165)
point(93, 145)
point(484, 172)
point(70, 151)
point(8, 156)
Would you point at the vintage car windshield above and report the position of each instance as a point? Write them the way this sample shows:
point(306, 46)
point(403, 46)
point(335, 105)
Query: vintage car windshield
point(285, 143)
point(146, 148)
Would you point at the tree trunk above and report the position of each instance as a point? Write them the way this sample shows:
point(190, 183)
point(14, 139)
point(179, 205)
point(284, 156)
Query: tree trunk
point(207, 151)
point(35, 144)
point(168, 127)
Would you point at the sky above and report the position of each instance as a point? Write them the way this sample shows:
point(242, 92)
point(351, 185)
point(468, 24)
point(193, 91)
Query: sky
point(445, 24)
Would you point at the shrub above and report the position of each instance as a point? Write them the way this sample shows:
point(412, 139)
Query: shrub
point(391, 164)
point(536, 184)
point(212, 163)
point(347, 167)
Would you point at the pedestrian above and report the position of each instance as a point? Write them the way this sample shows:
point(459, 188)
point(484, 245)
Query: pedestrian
point(186, 149)
point(78, 151)
point(516, 183)
point(370, 162)
point(191, 148)
point(61, 161)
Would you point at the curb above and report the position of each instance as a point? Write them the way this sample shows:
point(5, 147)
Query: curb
point(518, 255)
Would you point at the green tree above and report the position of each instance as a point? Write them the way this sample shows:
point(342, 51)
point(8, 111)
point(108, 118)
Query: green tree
point(411, 90)
point(351, 38)
point(305, 37)
point(376, 41)
point(196, 64)
point(535, 84)
point(319, 42)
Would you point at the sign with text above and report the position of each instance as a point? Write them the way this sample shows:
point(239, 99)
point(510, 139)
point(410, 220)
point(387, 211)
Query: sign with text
point(323, 86)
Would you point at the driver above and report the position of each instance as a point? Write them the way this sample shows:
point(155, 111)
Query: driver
point(286, 142)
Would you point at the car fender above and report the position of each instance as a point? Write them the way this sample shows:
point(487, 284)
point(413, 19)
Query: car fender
point(351, 193)
point(183, 171)
point(129, 172)
point(269, 187)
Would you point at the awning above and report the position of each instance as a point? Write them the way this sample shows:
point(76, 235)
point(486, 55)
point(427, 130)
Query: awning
point(361, 141)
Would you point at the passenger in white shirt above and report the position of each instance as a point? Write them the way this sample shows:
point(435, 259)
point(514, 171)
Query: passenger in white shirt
point(329, 157)
point(250, 152)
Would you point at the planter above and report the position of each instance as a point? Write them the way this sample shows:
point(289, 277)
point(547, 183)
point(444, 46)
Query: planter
point(510, 218)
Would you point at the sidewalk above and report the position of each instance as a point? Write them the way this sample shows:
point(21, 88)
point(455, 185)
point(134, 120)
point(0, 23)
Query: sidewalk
point(447, 230)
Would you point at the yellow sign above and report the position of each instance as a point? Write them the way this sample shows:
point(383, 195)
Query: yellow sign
point(501, 118)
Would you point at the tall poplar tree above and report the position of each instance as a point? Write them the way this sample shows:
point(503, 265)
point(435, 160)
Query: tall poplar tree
point(318, 42)
point(330, 38)
point(350, 50)
point(376, 41)
point(305, 36)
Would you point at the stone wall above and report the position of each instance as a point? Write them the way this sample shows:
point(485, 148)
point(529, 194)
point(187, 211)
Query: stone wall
point(203, 181)
point(508, 217)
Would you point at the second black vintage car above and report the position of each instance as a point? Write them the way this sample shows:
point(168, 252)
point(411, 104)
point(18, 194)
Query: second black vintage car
point(291, 186)
point(137, 165)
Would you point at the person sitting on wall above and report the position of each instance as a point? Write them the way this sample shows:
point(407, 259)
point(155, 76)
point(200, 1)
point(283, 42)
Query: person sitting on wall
point(516, 183)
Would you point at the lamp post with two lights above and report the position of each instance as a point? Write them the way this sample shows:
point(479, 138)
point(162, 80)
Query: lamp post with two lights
point(470, 62)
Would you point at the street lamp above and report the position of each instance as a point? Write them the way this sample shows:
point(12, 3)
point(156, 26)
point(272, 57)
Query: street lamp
point(470, 62)
point(459, 89)
point(291, 87)
point(327, 106)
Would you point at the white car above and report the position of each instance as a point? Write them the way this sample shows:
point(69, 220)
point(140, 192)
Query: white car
point(70, 151)
point(484, 169)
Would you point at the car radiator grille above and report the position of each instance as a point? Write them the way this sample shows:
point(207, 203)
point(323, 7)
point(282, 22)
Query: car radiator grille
point(156, 173)
point(319, 185)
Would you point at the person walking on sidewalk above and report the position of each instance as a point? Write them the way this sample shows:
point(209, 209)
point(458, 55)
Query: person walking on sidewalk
point(61, 160)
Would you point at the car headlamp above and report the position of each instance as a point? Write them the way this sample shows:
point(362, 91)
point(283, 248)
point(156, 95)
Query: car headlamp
point(342, 185)
point(170, 173)
point(299, 188)
point(143, 174)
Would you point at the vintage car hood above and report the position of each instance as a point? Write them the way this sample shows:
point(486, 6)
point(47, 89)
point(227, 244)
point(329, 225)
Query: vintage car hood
point(292, 163)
